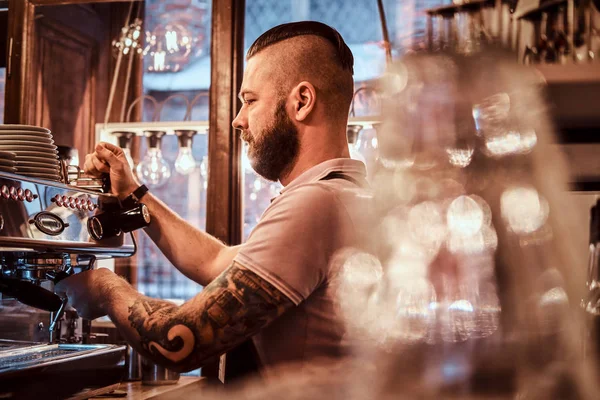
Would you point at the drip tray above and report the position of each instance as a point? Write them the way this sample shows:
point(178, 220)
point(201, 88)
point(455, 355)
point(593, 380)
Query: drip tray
point(60, 369)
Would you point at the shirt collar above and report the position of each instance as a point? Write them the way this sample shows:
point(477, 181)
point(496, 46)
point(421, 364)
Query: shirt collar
point(319, 171)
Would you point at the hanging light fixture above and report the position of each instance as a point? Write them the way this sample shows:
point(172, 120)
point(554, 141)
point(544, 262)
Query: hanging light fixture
point(154, 171)
point(129, 40)
point(185, 162)
point(168, 47)
point(124, 140)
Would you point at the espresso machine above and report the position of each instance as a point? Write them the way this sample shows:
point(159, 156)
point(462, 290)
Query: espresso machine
point(50, 230)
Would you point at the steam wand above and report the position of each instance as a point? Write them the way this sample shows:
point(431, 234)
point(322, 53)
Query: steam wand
point(56, 317)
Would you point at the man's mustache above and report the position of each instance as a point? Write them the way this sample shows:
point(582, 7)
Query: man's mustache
point(246, 136)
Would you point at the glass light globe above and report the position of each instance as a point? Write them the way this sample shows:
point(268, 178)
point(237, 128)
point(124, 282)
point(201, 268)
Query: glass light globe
point(153, 171)
point(185, 162)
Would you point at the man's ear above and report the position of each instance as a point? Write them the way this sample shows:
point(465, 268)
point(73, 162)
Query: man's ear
point(304, 98)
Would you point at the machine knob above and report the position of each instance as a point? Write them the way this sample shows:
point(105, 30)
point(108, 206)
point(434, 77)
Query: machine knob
point(5, 192)
point(20, 194)
point(109, 224)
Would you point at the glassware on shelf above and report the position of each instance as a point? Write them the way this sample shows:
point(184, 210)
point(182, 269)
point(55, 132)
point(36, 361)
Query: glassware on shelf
point(560, 40)
point(472, 294)
point(185, 162)
point(153, 170)
point(545, 47)
point(352, 133)
point(124, 139)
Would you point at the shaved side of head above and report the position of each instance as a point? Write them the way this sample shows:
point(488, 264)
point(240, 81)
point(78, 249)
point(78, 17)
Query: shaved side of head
point(313, 52)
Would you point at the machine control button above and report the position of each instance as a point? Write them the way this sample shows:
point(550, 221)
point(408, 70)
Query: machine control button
point(5, 192)
point(20, 194)
point(58, 200)
point(28, 195)
point(13, 193)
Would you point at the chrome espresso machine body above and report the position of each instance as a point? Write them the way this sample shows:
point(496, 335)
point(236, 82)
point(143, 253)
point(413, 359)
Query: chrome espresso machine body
point(48, 231)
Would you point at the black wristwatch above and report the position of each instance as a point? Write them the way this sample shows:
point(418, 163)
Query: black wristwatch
point(134, 197)
point(138, 193)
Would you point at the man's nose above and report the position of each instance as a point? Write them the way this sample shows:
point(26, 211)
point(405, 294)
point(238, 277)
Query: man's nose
point(240, 121)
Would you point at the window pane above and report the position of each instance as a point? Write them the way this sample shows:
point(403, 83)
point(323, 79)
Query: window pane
point(181, 31)
point(359, 24)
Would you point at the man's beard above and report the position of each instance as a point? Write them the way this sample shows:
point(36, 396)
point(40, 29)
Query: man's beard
point(273, 152)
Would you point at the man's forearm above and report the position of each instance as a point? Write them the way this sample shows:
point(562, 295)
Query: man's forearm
point(152, 327)
point(235, 306)
point(198, 255)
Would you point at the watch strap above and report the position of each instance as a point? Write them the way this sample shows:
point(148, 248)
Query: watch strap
point(138, 193)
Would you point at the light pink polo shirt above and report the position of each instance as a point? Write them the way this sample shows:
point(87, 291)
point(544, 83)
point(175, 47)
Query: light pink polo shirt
point(291, 248)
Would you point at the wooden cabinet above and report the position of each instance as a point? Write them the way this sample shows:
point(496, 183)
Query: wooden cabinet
point(60, 64)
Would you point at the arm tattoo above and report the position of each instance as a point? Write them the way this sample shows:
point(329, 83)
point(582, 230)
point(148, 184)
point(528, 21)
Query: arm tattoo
point(235, 306)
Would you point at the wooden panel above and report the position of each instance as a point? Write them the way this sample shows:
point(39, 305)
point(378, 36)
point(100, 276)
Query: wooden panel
point(21, 15)
point(64, 2)
point(67, 91)
point(223, 216)
point(223, 208)
point(65, 62)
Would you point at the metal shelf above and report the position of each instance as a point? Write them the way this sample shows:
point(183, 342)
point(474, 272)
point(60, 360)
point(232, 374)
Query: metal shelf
point(140, 127)
point(201, 127)
point(588, 72)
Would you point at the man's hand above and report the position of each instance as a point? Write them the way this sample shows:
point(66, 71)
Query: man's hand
point(89, 291)
point(110, 159)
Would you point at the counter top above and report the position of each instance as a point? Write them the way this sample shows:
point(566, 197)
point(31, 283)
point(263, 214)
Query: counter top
point(186, 387)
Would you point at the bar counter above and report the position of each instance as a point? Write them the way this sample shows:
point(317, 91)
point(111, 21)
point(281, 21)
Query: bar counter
point(187, 387)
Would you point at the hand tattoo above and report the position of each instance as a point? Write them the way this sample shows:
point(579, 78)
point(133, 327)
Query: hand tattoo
point(235, 306)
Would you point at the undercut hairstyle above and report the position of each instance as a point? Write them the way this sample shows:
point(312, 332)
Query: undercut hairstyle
point(323, 58)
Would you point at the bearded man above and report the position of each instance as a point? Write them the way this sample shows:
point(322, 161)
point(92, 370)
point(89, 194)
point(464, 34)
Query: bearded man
point(275, 288)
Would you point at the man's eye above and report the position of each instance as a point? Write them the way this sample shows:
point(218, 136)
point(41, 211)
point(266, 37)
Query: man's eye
point(249, 101)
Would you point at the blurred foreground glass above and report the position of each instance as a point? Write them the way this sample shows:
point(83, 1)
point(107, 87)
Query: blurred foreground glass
point(474, 289)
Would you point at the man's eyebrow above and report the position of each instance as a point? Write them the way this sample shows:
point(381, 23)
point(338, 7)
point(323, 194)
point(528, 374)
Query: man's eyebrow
point(244, 92)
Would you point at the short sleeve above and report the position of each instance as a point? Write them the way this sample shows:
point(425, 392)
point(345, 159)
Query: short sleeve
point(293, 243)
